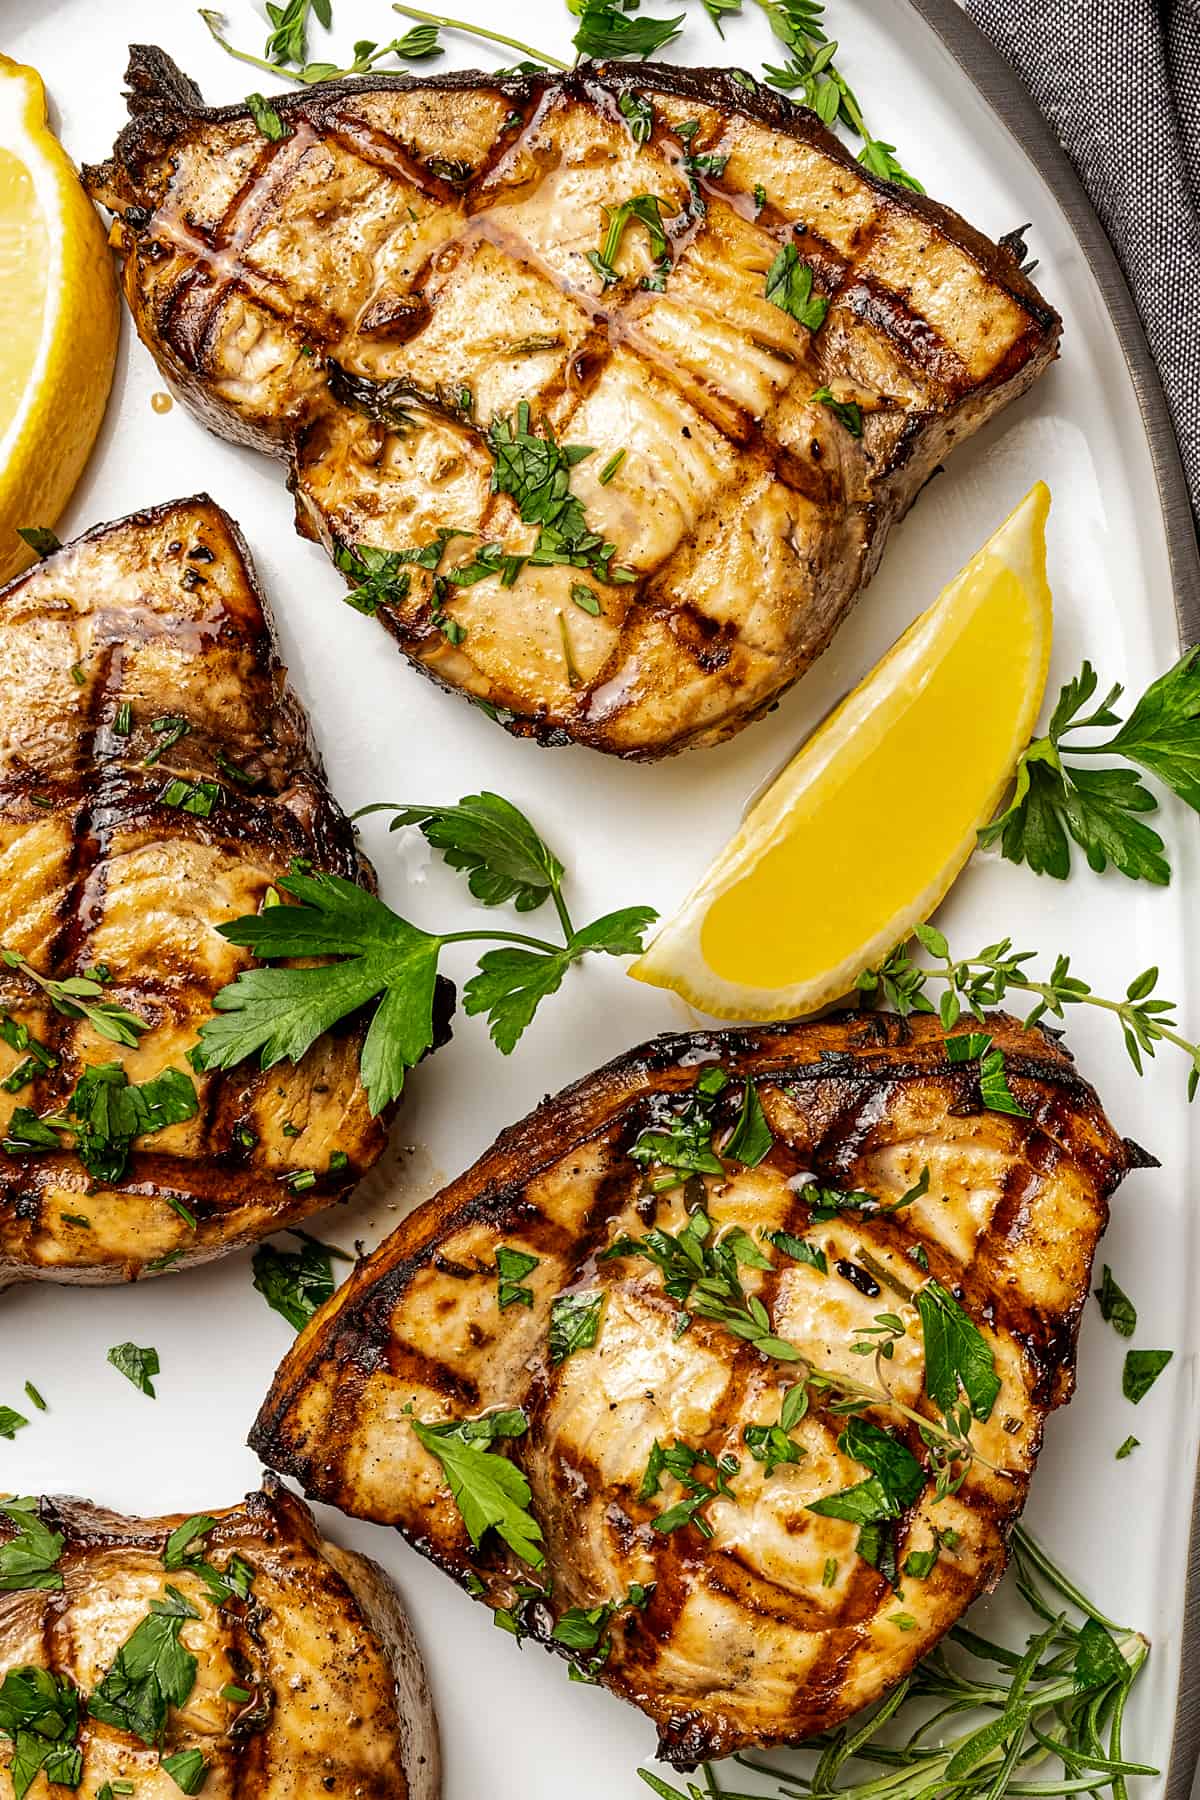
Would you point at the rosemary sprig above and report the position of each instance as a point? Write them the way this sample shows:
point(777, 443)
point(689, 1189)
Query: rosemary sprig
point(998, 1714)
point(976, 982)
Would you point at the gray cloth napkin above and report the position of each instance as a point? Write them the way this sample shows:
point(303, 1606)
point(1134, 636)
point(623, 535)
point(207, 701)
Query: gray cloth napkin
point(1119, 80)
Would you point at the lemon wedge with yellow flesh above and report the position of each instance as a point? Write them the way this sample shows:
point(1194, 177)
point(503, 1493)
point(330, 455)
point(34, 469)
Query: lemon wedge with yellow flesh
point(58, 318)
point(862, 834)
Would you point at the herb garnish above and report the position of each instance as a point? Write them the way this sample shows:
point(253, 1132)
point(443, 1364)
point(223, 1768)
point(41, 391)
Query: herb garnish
point(994, 1091)
point(771, 1444)
point(606, 29)
point(682, 1460)
point(534, 469)
point(138, 1363)
point(41, 540)
point(846, 412)
point(1142, 1370)
point(826, 1202)
point(267, 119)
point(1066, 1696)
point(187, 1769)
point(1127, 1448)
point(511, 1268)
point(790, 288)
point(574, 1324)
point(957, 1356)
point(979, 981)
point(105, 1113)
point(585, 1628)
point(287, 45)
point(1115, 1305)
point(894, 1484)
point(39, 1711)
point(11, 1422)
point(151, 1673)
point(296, 1283)
point(76, 998)
point(490, 1492)
point(638, 114)
point(1055, 801)
point(647, 210)
point(277, 1013)
point(235, 1580)
point(29, 1559)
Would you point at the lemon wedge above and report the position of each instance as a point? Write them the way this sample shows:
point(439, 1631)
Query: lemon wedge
point(58, 318)
point(862, 834)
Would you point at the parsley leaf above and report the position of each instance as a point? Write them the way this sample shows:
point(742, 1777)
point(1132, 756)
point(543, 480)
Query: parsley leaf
point(11, 1422)
point(39, 1711)
point(1142, 1370)
point(511, 1267)
point(493, 843)
point(295, 1283)
point(895, 1482)
point(1055, 800)
point(29, 1558)
point(187, 1769)
point(574, 1324)
point(151, 1672)
point(107, 1112)
point(682, 1460)
point(846, 412)
point(1115, 1305)
point(956, 1354)
point(1127, 1448)
point(771, 1444)
point(277, 1013)
point(138, 1363)
point(490, 1492)
point(751, 1138)
point(799, 1250)
point(790, 287)
point(638, 114)
point(605, 29)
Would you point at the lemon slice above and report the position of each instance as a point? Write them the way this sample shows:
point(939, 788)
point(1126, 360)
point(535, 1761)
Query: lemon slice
point(862, 834)
point(58, 317)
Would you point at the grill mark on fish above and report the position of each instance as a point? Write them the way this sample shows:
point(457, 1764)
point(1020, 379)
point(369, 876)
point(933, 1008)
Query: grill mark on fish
point(183, 312)
point(125, 878)
point(583, 1453)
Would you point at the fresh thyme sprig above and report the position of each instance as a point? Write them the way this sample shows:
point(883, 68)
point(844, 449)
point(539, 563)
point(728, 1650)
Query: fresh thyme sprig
point(701, 1273)
point(975, 982)
point(998, 1714)
point(811, 71)
point(445, 23)
point(289, 63)
point(82, 997)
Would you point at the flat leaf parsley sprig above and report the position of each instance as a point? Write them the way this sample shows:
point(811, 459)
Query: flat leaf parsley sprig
point(276, 1014)
point(1056, 800)
point(975, 982)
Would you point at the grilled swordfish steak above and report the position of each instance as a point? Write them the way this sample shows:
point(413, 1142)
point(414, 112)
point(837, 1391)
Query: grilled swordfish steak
point(156, 777)
point(603, 388)
point(619, 1343)
point(285, 1666)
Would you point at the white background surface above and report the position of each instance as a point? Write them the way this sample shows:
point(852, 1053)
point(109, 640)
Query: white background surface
point(512, 1725)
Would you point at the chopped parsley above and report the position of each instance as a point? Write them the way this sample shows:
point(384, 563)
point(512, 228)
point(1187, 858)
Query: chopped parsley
point(491, 1492)
point(771, 1444)
point(957, 1355)
point(151, 1672)
point(682, 1460)
point(994, 1091)
point(1142, 1370)
point(846, 412)
point(138, 1363)
point(39, 1711)
point(30, 1557)
point(267, 120)
point(646, 209)
point(574, 1324)
point(296, 1283)
point(1115, 1305)
point(511, 1268)
point(790, 288)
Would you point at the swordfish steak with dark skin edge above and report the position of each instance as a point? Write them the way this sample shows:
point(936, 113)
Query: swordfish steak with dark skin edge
point(639, 1281)
point(156, 777)
point(604, 388)
point(307, 1682)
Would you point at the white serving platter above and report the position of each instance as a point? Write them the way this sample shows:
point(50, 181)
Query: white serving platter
point(512, 1725)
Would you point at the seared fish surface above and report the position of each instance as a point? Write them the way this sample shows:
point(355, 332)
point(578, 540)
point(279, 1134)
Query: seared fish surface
point(752, 1619)
point(156, 777)
point(764, 351)
point(307, 1684)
